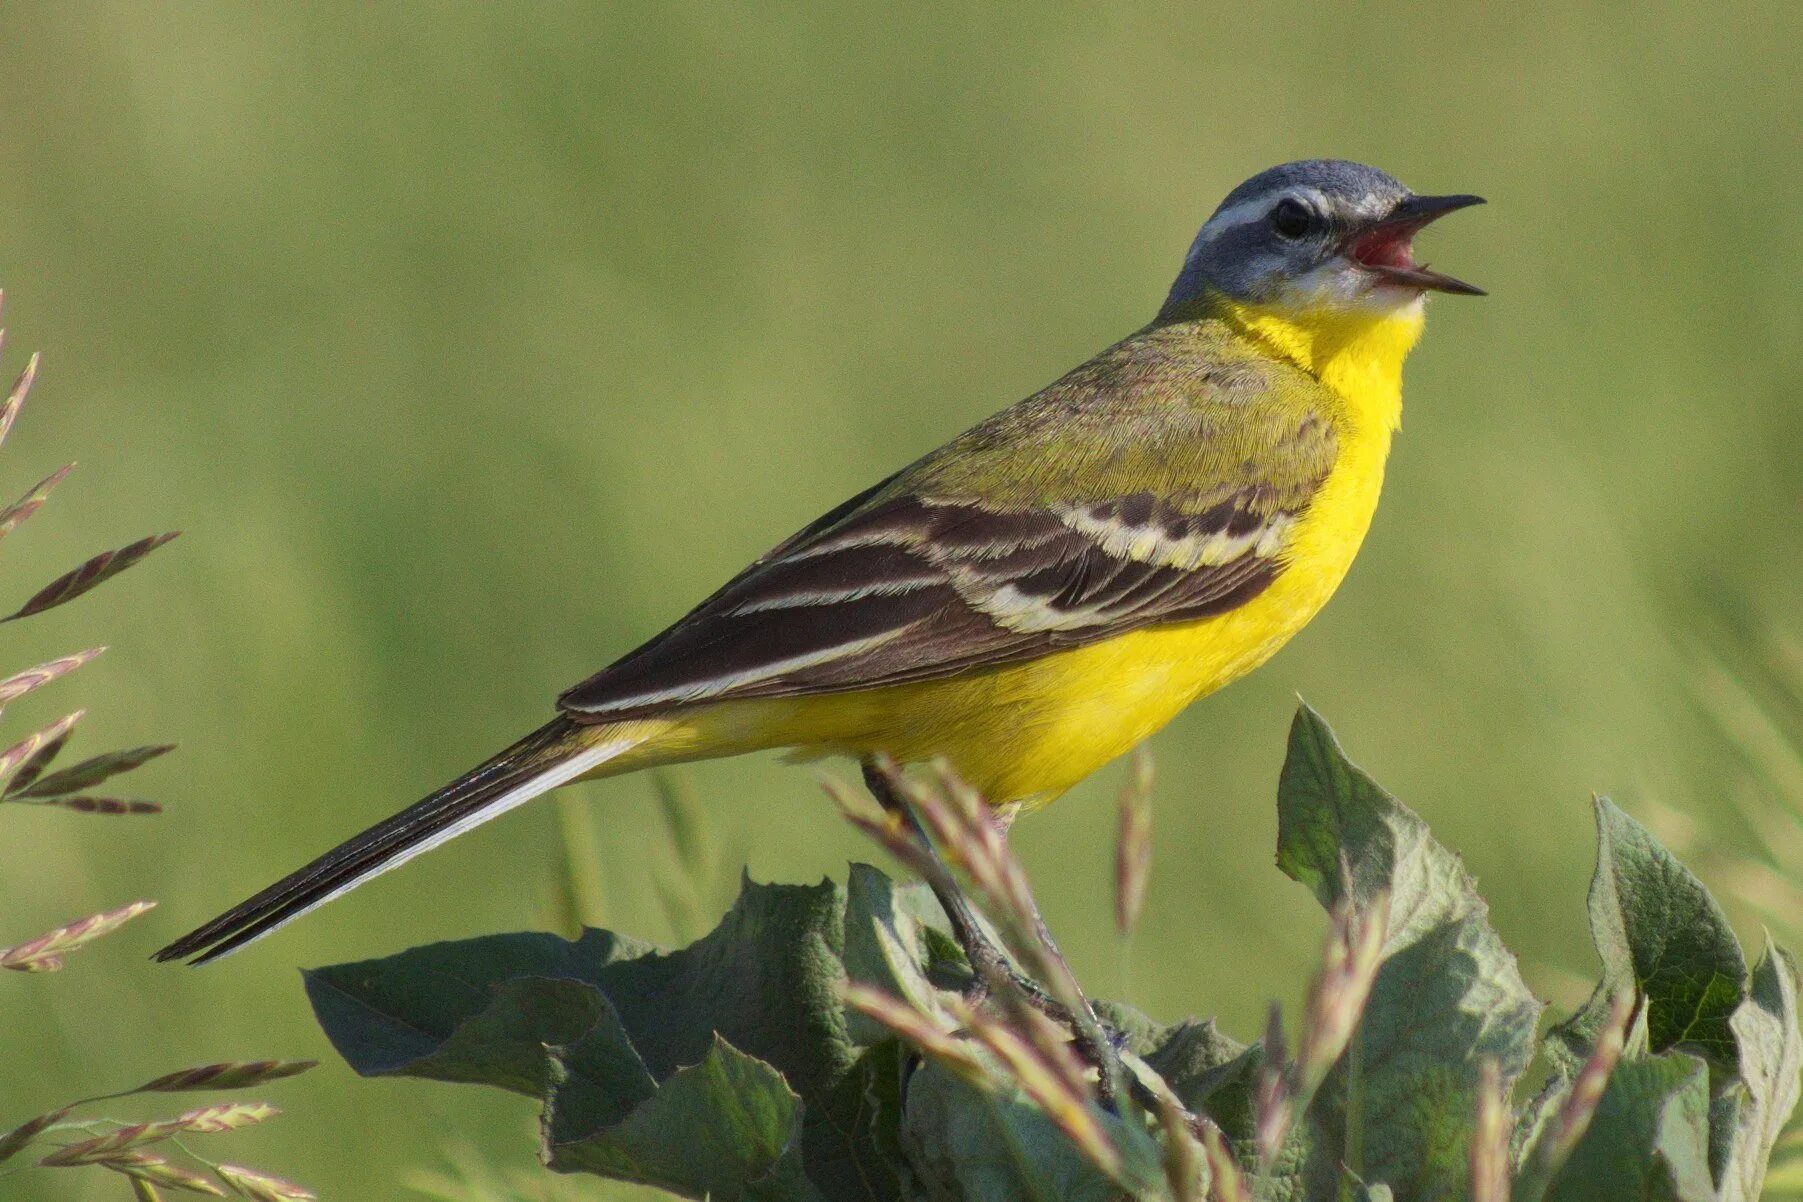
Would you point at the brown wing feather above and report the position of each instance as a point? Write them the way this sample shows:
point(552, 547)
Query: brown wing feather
point(910, 590)
point(1154, 484)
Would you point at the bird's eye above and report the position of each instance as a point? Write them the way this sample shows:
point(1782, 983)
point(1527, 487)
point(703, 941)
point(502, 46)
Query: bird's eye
point(1291, 218)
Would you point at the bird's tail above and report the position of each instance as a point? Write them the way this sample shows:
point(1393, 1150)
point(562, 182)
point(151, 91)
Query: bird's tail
point(553, 755)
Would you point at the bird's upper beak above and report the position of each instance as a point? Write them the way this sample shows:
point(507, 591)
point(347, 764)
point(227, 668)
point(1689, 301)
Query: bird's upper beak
point(1386, 248)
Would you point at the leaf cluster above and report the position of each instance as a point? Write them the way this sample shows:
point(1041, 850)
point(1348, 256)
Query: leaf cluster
point(733, 1069)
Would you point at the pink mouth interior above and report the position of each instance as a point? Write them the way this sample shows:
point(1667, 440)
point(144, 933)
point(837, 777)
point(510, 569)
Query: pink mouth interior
point(1383, 247)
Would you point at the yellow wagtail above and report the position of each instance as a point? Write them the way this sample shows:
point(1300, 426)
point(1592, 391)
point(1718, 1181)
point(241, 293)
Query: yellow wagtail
point(1047, 589)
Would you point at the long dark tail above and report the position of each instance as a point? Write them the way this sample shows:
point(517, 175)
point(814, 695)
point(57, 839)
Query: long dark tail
point(551, 756)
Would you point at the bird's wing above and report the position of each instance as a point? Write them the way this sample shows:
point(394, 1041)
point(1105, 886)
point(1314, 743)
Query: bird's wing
point(1081, 514)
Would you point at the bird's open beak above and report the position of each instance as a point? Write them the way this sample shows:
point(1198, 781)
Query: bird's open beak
point(1386, 247)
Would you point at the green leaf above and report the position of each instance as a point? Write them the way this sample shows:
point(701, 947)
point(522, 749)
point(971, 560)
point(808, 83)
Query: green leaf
point(727, 1128)
point(767, 980)
point(440, 1013)
point(968, 1144)
point(1188, 1054)
point(601, 1027)
point(1649, 1138)
point(867, 1163)
point(1400, 1107)
point(505, 1010)
point(1657, 931)
point(1770, 1054)
point(896, 939)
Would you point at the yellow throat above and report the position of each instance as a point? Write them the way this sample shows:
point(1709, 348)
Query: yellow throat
point(1356, 353)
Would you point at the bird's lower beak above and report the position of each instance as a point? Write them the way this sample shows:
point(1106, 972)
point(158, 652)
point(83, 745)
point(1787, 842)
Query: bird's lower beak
point(1386, 247)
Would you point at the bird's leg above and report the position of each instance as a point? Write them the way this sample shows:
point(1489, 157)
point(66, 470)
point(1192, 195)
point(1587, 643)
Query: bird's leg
point(1003, 820)
point(989, 963)
point(1097, 1043)
point(987, 960)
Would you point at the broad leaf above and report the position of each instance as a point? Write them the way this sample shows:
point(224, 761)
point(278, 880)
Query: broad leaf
point(968, 1144)
point(1649, 1138)
point(1659, 932)
point(1400, 1107)
point(1189, 1055)
point(727, 1128)
point(896, 939)
point(730, 1069)
point(511, 1011)
point(601, 1028)
point(1770, 1053)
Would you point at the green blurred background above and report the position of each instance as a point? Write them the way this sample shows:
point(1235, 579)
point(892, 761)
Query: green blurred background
point(470, 344)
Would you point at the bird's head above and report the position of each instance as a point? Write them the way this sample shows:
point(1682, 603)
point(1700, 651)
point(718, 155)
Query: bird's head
point(1318, 239)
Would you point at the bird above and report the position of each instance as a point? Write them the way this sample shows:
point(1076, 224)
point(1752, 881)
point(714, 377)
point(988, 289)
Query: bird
point(1042, 593)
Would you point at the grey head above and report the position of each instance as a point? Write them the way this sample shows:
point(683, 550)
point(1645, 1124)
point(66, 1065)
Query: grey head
point(1320, 233)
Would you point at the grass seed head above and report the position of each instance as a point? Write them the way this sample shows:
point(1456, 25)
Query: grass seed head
point(227, 1074)
point(91, 771)
point(14, 1141)
point(888, 830)
point(1272, 1094)
point(21, 683)
point(1183, 1156)
point(44, 954)
point(261, 1186)
point(159, 1170)
point(1065, 1102)
point(1133, 844)
point(88, 575)
point(225, 1116)
point(15, 399)
point(26, 759)
point(32, 501)
point(1227, 1182)
point(1338, 994)
point(85, 804)
point(1490, 1139)
point(206, 1120)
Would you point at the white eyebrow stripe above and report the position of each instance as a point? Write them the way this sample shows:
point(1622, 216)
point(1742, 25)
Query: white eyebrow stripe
point(1247, 211)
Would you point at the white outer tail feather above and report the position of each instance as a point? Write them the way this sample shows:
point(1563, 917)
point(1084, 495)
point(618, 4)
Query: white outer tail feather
point(558, 774)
